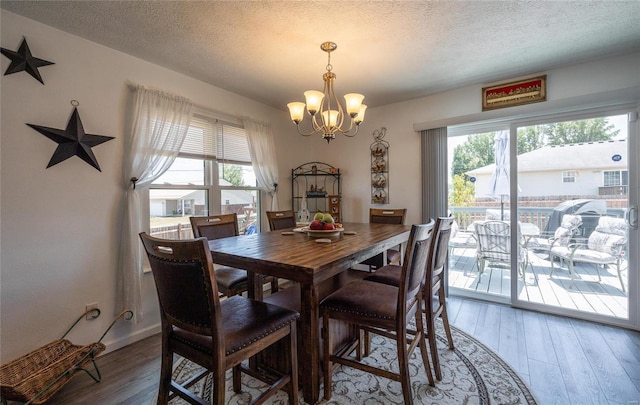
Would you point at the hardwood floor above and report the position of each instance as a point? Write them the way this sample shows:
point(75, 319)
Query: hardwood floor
point(564, 361)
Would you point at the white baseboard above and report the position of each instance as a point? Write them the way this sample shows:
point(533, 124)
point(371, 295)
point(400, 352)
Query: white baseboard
point(116, 344)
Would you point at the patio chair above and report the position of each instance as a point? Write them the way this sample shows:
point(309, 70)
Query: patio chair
point(605, 246)
point(494, 245)
point(460, 239)
point(568, 229)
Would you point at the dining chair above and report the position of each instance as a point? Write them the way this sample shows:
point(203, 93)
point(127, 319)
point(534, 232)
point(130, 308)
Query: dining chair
point(385, 216)
point(385, 310)
point(231, 281)
point(433, 294)
point(218, 335)
point(281, 219)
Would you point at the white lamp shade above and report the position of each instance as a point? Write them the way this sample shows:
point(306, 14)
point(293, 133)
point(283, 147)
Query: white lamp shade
point(314, 99)
point(330, 118)
point(360, 117)
point(296, 110)
point(353, 101)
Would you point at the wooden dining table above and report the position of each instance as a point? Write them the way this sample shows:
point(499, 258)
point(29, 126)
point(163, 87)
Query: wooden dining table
point(313, 266)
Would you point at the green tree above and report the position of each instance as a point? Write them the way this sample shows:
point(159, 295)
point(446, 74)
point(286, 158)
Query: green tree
point(529, 139)
point(476, 152)
point(463, 191)
point(563, 133)
point(233, 174)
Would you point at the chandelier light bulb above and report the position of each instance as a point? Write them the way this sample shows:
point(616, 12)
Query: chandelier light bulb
point(314, 101)
point(330, 118)
point(296, 110)
point(354, 101)
point(360, 117)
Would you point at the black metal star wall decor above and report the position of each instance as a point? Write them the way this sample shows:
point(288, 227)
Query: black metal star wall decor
point(23, 60)
point(73, 141)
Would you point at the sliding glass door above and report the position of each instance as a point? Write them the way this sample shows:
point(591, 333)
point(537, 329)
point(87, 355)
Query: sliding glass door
point(543, 211)
point(573, 190)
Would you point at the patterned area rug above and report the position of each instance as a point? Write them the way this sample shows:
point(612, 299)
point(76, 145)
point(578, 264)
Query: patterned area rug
point(471, 374)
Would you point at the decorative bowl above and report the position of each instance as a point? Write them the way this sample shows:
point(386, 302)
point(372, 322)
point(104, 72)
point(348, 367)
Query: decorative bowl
point(322, 233)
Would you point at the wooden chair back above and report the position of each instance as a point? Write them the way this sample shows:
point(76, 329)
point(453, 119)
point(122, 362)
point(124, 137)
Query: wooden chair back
point(414, 267)
point(215, 226)
point(185, 265)
point(387, 216)
point(281, 219)
point(434, 296)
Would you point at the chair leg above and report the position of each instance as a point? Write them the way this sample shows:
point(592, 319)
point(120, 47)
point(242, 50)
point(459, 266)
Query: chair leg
point(423, 349)
point(572, 272)
point(237, 379)
point(326, 361)
point(293, 353)
point(447, 328)
point(274, 285)
point(403, 367)
point(218, 388)
point(620, 275)
point(552, 260)
point(367, 343)
point(165, 376)
point(429, 331)
point(598, 271)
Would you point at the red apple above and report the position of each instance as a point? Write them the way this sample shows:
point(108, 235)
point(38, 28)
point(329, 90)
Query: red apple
point(329, 227)
point(316, 225)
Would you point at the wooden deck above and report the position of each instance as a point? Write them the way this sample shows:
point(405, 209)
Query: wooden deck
point(587, 294)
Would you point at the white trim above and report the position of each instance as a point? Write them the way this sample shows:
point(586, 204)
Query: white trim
point(605, 103)
point(113, 345)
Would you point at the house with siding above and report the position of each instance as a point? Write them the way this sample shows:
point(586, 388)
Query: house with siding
point(580, 170)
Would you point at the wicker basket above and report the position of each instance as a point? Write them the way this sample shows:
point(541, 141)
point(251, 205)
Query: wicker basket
point(37, 375)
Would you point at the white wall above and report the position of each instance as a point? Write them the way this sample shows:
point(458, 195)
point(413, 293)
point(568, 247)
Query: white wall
point(60, 227)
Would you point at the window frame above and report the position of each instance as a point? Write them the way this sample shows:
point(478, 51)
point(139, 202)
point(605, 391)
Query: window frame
point(622, 177)
point(569, 176)
point(211, 187)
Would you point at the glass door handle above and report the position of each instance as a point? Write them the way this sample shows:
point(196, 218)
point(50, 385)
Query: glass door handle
point(632, 217)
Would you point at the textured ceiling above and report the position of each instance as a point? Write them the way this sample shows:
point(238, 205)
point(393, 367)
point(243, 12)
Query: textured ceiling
point(389, 51)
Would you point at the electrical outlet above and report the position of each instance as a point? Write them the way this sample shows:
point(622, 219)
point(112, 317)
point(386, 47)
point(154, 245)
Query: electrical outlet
point(89, 307)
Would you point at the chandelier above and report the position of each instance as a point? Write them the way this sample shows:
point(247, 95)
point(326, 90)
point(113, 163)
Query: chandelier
point(325, 104)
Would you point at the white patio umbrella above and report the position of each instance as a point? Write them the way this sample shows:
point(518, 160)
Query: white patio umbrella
point(499, 183)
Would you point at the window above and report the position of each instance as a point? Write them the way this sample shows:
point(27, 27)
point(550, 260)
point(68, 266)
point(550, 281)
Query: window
point(569, 176)
point(211, 175)
point(615, 178)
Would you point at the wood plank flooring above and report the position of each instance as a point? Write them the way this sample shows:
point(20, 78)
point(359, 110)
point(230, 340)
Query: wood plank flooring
point(564, 361)
point(587, 294)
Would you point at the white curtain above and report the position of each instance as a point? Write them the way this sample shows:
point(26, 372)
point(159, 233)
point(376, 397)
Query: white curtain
point(159, 124)
point(263, 157)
